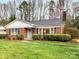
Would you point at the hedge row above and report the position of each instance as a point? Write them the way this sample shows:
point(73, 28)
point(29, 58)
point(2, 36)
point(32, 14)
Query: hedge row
point(53, 37)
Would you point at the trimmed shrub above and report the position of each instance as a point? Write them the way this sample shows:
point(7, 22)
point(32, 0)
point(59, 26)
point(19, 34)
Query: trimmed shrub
point(36, 37)
point(53, 37)
point(73, 32)
point(19, 37)
point(2, 36)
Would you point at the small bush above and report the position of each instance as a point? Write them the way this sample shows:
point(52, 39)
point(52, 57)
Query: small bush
point(2, 36)
point(73, 32)
point(19, 37)
point(36, 37)
point(53, 37)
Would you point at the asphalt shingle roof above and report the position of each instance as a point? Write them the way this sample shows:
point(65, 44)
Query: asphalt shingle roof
point(45, 23)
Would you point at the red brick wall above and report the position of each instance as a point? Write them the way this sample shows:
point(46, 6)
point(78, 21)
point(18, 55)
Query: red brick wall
point(13, 37)
point(59, 29)
point(22, 31)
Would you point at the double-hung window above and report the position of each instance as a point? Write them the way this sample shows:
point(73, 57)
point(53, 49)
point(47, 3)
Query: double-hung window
point(14, 31)
point(52, 30)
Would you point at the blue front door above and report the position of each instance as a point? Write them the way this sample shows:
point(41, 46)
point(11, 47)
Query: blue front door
point(29, 34)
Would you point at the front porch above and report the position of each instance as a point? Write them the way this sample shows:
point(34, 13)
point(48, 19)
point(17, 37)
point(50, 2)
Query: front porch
point(49, 30)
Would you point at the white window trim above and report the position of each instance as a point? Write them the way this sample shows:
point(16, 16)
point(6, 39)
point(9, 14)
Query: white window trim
point(13, 31)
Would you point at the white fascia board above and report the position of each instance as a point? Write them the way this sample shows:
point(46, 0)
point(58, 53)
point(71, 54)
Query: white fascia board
point(19, 24)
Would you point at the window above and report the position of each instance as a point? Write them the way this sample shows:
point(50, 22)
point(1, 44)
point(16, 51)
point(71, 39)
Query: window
point(14, 31)
point(17, 31)
point(53, 30)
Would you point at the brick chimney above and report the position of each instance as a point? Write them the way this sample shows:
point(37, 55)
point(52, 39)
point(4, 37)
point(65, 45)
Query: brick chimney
point(64, 15)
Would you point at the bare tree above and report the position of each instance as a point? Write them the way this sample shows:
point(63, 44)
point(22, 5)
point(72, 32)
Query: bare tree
point(64, 8)
point(51, 9)
point(75, 9)
point(44, 9)
point(33, 9)
point(40, 5)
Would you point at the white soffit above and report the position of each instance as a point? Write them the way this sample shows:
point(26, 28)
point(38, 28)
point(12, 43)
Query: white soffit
point(19, 24)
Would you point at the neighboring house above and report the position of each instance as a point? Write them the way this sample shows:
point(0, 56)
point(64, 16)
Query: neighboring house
point(27, 29)
point(2, 30)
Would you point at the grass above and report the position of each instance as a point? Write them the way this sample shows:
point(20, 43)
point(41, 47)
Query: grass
point(38, 50)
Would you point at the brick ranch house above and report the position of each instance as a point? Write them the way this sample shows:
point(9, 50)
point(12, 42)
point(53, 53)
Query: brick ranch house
point(27, 29)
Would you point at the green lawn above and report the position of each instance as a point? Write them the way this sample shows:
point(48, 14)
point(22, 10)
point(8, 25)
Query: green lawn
point(38, 50)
